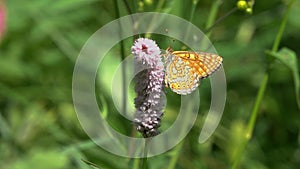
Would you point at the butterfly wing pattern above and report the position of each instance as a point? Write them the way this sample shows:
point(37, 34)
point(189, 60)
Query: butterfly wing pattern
point(184, 69)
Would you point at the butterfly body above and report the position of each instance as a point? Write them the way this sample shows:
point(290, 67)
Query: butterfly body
point(185, 69)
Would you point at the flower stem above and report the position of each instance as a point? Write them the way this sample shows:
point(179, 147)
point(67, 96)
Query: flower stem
point(282, 27)
point(144, 162)
point(175, 155)
point(256, 106)
point(251, 122)
point(260, 93)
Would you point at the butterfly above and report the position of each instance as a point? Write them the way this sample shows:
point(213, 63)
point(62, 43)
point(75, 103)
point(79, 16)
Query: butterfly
point(185, 69)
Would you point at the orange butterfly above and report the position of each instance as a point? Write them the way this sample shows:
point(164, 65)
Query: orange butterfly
point(184, 69)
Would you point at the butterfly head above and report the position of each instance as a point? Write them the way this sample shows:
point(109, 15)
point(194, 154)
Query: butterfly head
point(169, 50)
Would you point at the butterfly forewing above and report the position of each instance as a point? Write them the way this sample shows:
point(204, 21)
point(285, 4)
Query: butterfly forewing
point(184, 69)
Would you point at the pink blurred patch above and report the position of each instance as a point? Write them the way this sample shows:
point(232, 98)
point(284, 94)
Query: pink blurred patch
point(2, 19)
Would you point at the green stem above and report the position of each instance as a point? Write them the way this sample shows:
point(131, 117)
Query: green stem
point(124, 104)
point(136, 163)
point(154, 18)
point(261, 92)
point(252, 121)
point(211, 19)
point(134, 5)
point(282, 27)
point(194, 5)
point(208, 29)
point(256, 106)
point(144, 162)
point(127, 7)
point(160, 5)
point(175, 156)
point(212, 15)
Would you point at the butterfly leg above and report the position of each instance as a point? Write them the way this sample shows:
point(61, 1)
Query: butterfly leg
point(166, 82)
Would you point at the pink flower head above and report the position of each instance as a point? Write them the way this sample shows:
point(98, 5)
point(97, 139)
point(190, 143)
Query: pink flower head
point(147, 51)
point(2, 19)
point(149, 87)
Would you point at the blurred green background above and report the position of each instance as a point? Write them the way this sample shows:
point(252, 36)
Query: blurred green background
point(39, 127)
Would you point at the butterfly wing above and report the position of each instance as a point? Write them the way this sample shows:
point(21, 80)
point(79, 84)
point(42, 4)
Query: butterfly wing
point(184, 69)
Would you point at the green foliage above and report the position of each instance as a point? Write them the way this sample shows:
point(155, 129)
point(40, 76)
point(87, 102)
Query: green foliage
point(39, 127)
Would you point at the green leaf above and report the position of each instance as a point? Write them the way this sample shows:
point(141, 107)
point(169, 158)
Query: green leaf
point(289, 58)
